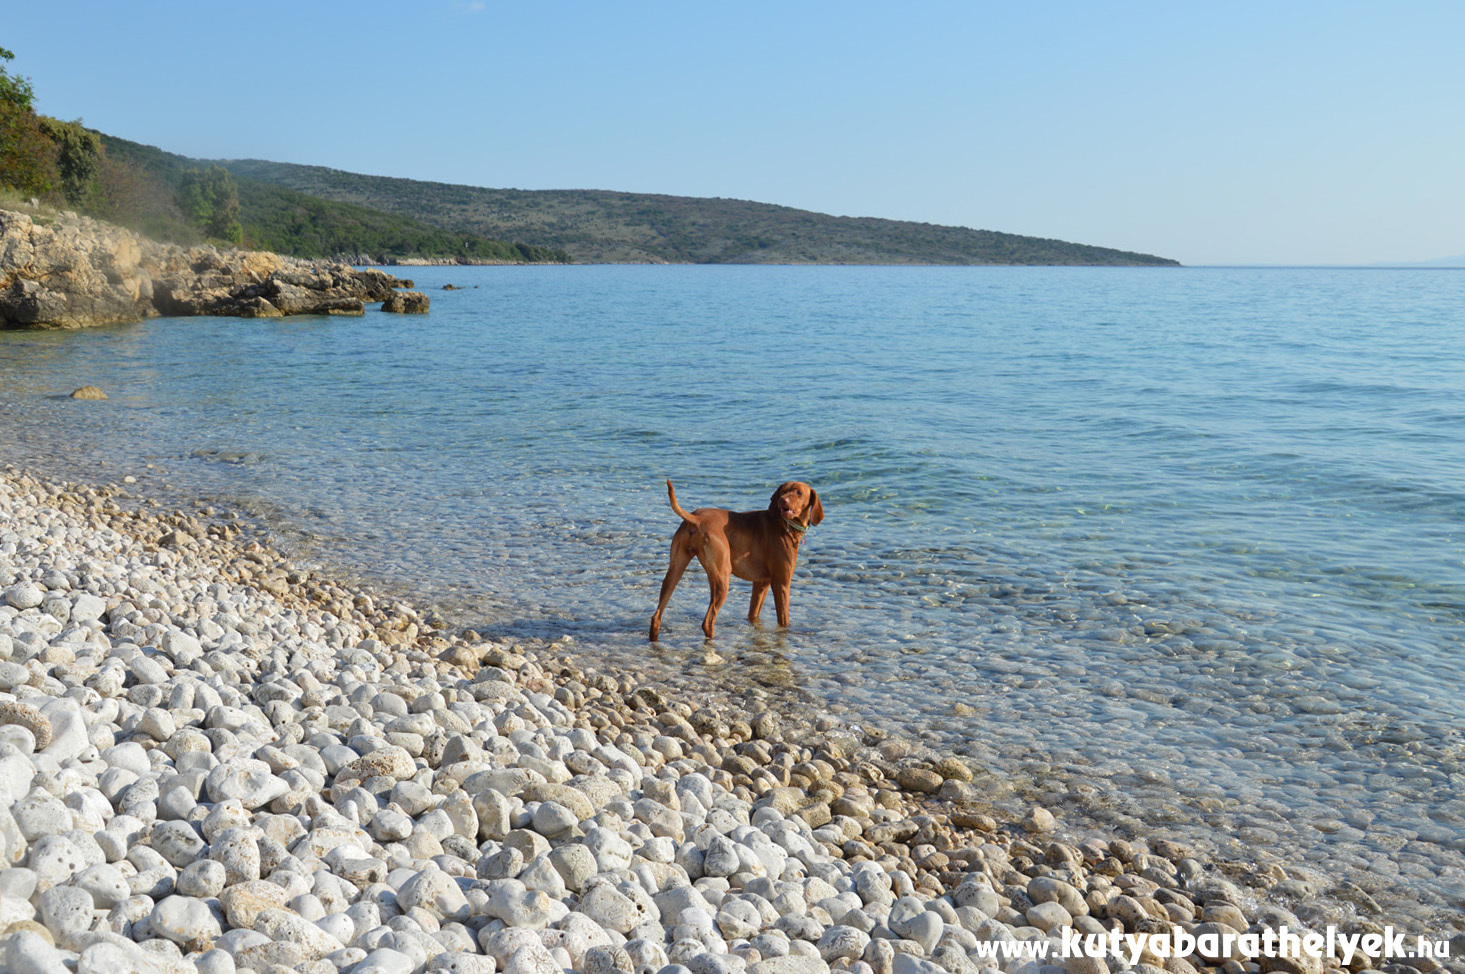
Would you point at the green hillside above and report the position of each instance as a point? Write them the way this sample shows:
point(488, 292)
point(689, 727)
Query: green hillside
point(607, 227)
point(290, 222)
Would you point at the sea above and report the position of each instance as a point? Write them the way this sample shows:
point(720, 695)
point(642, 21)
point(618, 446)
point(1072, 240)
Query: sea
point(1173, 552)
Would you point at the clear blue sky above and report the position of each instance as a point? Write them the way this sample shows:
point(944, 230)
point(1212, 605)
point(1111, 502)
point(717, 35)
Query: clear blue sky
point(1238, 132)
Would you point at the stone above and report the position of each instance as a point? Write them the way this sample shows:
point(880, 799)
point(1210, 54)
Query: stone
point(14, 675)
point(1049, 916)
point(249, 781)
point(39, 814)
point(532, 959)
point(88, 392)
point(511, 902)
point(215, 962)
point(70, 736)
point(551, 819)
point(282, 925)
point(86, 607)
point(244, 902)
point(202, 879)
point(157, 723)
point(542, 875)
point(436, 892)
point(186, 921)
point(104, 883)
point(28, 716)
point(611, 908)
point(1039, 820)
point(178, 842)
point(390, 762)
point(608, 960)
point(237, 850)
point(919, 779)
point(389, 825)
point(1046, 889)
point(26, 595)
point(576, 865)
point(492, 809)
point(406, 302)
point(66, 911)
point(843, 943)
point(28, 952)
point(387, 961)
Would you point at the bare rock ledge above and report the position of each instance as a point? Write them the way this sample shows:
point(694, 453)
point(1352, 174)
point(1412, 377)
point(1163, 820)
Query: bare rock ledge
point(73, 272)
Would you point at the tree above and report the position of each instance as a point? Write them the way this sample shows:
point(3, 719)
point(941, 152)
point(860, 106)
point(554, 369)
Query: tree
point(79, 157)
point(209, 200)
point(27, 157)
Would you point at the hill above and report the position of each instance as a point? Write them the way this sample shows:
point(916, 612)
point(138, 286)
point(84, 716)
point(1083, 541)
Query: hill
point(285, 221)
point(596, 226)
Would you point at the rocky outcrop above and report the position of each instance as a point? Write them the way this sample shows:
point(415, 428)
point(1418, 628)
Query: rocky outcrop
point(406, 303)
point(72, 272)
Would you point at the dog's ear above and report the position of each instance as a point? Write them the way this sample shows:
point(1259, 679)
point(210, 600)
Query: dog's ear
point(816, 507)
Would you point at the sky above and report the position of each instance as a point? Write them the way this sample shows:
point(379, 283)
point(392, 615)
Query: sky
point(1213, 133)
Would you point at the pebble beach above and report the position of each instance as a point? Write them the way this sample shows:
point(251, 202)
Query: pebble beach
point(213, 760)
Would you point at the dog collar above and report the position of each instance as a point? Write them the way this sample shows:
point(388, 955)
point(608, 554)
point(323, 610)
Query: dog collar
point(796, 527)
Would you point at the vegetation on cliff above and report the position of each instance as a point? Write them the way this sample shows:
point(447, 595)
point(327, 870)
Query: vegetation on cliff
point(290, 222)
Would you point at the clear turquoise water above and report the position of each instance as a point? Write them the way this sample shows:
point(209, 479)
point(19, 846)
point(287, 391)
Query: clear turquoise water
point(1175, 549)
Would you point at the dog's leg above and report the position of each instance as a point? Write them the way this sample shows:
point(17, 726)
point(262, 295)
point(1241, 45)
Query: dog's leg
point(680, 559)
point(780, 599)
point(755, 608)
point(717, 561)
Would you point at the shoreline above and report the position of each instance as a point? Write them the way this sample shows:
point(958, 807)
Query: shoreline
point(861, 799)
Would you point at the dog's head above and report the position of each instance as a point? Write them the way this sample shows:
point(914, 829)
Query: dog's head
point(796, 501)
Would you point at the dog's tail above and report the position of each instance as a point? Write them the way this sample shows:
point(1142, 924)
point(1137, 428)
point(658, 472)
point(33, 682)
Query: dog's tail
point(677, 507)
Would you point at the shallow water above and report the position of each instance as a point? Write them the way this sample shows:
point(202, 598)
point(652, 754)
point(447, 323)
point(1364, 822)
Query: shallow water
point(1182, 545)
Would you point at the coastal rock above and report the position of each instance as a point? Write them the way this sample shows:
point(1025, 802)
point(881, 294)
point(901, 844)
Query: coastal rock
point(74, 272)
point(406, 303)
point(71, 274)
point(88, 392)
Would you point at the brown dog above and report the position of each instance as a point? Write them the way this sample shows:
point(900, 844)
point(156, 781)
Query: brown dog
point(759, 546)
